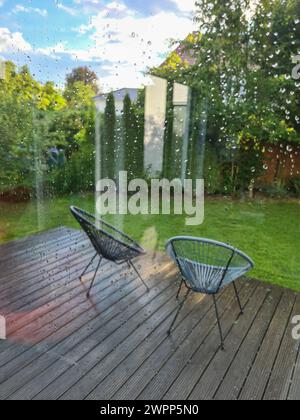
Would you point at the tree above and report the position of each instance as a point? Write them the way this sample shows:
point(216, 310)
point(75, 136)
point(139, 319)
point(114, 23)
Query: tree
point(16, 148)
point(109, 133)
point(23, 85)
point(79, 95)
point(133, 127)
point(139, 116)
point(10, 70)
point(242, 70)
point(65, 129)
point(84, 75)
point(34, 120)
point(129, 137)
point(50, 98)
point(25, 110)
point(168, 135)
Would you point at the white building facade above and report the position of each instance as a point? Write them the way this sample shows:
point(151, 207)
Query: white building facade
point(119, 96)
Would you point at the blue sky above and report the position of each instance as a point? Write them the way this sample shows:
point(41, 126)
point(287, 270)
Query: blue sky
point(118, 39)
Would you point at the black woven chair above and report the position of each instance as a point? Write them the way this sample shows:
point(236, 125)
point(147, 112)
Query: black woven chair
point(109, 243)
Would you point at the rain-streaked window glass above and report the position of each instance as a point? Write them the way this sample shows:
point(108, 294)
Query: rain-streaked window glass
point(99, 100)
point(149, 201)
point(102, 102)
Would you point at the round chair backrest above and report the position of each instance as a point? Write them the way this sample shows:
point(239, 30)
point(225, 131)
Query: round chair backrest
point(208, 265)
point(109, 242)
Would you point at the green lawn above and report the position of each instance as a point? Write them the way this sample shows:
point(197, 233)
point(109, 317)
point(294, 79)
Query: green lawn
point(267, 230)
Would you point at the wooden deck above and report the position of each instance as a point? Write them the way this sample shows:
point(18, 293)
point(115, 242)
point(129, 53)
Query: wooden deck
point(115, 346)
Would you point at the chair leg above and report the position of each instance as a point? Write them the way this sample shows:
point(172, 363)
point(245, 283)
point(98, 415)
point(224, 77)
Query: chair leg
point(238, 298)
point(94, 278)
point(88, 266)
point(140, 277)
point(179, 290)
point(219, 322)
point(178, 311)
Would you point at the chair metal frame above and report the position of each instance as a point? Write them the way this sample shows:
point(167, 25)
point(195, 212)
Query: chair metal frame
point(233, 252)
point(121, 249)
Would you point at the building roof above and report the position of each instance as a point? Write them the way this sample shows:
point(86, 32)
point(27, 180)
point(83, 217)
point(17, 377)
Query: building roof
point(120, 95)
point(185, 54)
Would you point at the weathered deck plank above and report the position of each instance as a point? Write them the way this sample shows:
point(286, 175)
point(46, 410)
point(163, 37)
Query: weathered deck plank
point(262, 367)
point(206, 369)
point(280, 379)
point(62, 345)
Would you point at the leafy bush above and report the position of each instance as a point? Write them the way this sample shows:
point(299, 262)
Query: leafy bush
point(294, 186)
point(76, 176)
point(277, 190)
point(214, 181)
point(16, 138)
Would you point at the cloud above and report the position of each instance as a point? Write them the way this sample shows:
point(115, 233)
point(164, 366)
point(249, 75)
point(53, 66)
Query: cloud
point(53, 51)
point(185, 6)
point(82, 29)
point(90, 5)
point(13, 42)
point(2, 2)
point(151, 7)
point(21, 9)
point(144, 8)
point(118, 41)
point(70, 10)
point(129, 41)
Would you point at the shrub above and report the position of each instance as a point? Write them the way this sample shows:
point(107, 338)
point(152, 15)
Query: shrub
point(75, 176)
point(277, 190)
point(294, 186)
point(214, 181)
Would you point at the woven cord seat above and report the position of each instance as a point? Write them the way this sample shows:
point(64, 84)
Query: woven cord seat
point(206, 267)
point(109, 243)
